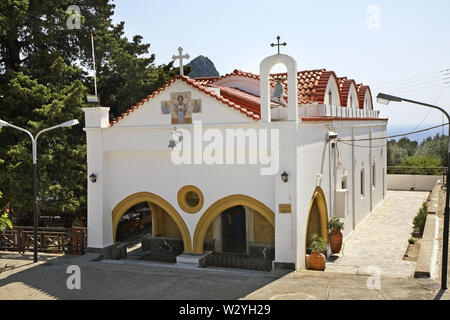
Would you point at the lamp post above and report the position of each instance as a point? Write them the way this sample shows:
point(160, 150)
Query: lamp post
point(385, 99)
point(34, 151)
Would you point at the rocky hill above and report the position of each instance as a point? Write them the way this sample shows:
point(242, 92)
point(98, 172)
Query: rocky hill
point(202, 67)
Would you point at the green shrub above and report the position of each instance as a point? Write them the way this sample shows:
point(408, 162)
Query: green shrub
point(335, 224)
point(420, 219)
point(318, 243)
point(411, 241)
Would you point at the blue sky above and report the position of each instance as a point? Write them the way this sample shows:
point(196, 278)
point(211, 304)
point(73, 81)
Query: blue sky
point(413, 40)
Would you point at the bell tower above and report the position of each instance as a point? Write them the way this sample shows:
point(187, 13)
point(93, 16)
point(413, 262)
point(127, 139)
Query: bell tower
point(264, 71)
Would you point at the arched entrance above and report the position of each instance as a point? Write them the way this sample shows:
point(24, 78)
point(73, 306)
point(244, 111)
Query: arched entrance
point(158, 206)
point(317, 222)
point(240, 232)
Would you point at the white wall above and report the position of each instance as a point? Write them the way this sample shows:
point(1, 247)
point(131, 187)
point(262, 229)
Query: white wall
point(410, 182)
point(317, 157)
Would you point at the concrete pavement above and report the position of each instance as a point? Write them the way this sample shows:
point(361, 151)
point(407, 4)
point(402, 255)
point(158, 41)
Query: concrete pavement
point(123, 279)
point(380, 241)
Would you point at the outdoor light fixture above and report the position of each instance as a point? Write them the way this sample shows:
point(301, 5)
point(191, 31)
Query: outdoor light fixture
point(93, 177)
point(92, 99)
point(385, 99)
point(285, 176)
point(3, 124)
point(175, 138)
point(331, 135)
point(35, 184)
point(69, 123)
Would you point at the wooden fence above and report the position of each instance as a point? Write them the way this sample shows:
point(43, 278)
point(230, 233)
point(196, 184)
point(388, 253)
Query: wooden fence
point(50, 240)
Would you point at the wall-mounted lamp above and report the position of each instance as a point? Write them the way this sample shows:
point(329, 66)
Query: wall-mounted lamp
point(331, 136)
point(175, 138)
point(93, 178)
point(285, 176)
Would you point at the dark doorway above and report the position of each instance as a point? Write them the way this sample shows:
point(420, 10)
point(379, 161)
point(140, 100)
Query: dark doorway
point(134, 224)
point(233, 230)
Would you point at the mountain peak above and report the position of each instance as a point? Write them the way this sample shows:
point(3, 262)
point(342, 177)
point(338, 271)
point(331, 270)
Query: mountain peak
point(202, 67)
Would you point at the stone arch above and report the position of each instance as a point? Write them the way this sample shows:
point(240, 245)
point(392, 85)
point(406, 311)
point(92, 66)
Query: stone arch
point(151, 198)
point(219, 206)
point(317, 206)
point(264, 70)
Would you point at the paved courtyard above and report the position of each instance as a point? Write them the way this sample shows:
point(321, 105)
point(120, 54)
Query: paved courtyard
point(379, 242)
point(126, 279)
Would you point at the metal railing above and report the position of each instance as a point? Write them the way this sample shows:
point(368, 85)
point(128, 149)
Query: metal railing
point(50, 240)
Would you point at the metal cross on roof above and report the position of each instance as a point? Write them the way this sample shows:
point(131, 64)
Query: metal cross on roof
point(278, 44)
point(181, 57)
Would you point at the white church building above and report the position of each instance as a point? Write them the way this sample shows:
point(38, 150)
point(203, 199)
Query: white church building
point(241, 165)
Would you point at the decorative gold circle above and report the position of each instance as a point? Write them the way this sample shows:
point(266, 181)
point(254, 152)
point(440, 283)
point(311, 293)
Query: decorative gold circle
point(190, 199)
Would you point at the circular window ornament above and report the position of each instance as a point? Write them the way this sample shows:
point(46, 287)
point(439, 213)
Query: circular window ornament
point(190, 199)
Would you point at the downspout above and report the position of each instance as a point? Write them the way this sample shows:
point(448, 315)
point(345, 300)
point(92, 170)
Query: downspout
point(353, 180)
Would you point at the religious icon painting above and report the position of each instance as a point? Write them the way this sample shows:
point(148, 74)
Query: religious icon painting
point(180, 107)
point(165, 107)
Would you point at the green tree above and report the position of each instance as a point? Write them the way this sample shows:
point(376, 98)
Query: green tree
point(395, 154)
point(423, 161)
point(5, 222)
point(408, 145)
point(44, 81)
point(436, 146)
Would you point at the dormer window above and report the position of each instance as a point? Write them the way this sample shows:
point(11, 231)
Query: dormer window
point(351, 102)
point(330, 98)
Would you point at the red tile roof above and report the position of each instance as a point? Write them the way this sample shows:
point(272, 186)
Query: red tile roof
point(311, 89)
point(361, 89)
point(251, 114)
point(344, 89)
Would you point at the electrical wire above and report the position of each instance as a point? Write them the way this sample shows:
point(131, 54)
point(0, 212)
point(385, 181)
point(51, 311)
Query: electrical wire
point(415, 77)
point(435, 82)
point(360, 146)
point(415, 82)
point(430, 109)
point(394, 136)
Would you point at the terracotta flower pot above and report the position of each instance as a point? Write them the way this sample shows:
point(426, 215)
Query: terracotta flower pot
point(335, 241)
point(317, 261)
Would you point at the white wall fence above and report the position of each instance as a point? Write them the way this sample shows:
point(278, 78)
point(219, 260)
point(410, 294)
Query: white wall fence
point(409, 182)
point(336, 111)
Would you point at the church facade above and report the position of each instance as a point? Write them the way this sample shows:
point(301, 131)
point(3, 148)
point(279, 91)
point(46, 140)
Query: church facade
point(243, 164)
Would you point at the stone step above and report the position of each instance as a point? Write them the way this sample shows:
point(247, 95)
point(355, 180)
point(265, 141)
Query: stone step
point(192, 258)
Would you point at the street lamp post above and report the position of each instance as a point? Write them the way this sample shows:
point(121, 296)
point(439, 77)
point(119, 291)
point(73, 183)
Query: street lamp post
point(34, 151)
point(385, 99)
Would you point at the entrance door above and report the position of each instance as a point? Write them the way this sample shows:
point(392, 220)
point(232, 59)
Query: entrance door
point(233, 230)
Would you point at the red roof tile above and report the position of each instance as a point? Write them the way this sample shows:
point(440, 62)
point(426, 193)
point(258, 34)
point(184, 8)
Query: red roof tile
point(249, 113)
point(311, 89)
point(361, 89)
point(344, 89)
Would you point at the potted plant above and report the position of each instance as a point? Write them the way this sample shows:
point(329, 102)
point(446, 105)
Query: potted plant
point(317, 258)
point(335, 226)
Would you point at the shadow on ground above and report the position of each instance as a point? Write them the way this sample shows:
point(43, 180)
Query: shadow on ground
point(123, 279)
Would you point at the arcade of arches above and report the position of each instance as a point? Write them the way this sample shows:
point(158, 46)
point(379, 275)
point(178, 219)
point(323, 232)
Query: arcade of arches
point(238, 230)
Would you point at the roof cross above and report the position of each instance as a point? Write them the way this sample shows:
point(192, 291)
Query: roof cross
point(278, 44)
point(180, 57)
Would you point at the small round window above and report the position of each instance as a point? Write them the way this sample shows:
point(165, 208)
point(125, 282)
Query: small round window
point(190, 199)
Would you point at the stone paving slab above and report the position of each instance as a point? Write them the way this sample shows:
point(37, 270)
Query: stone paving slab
point(379, 242)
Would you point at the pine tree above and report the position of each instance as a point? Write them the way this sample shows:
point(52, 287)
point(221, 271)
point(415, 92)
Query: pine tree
point(44, 81)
